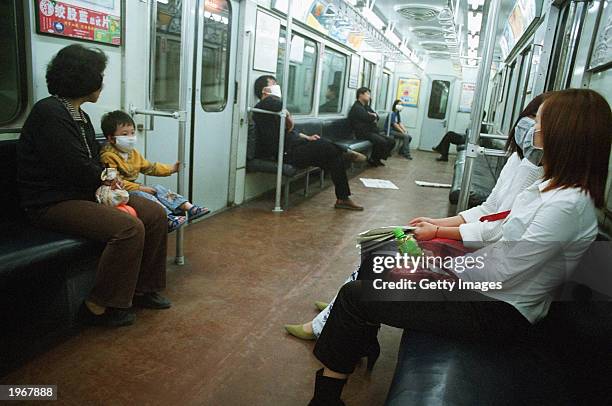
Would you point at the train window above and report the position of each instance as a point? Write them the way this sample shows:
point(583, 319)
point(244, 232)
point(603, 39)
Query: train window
point(333, 72)
point(215, 55)
point(438, 100)
point(12, 79)
point(367, 69)
point(381, 97)
point(302, 67)
point(167, 52)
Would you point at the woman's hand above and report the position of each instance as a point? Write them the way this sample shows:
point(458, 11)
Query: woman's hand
point(425, 231)
point(313, 137)
point(418, 220)
point(176, 167)
point(148, 190)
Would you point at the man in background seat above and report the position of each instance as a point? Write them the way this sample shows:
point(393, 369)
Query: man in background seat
point(363, 121)
point(301, 150)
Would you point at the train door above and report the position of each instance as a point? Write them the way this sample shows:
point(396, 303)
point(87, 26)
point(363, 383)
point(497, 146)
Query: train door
point(213, 104)
point(435, 123)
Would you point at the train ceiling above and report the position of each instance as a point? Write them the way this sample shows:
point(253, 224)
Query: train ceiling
point(425, 25)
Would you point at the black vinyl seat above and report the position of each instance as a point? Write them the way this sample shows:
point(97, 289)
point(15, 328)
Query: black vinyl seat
point(566, 358)
point(23, 246)
point(336, 130)
point(44, 275)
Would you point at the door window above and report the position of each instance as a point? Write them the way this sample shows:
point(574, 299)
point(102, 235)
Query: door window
point(167, 74)
point(215, 55)
point(438, 99)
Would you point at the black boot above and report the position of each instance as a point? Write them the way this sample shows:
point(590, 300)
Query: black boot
point(327, 391)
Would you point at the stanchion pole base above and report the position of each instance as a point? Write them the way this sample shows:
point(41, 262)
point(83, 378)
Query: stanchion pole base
point(179, 260)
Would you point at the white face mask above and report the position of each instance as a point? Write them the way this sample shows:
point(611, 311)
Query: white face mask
point(521, 130)
point(399, 107)
point(274, 90)
point(532, 153)
point(125, 143)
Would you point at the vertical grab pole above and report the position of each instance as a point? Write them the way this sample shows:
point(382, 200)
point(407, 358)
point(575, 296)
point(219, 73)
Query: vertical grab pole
point(186, 48)
point(281, 129)
point(479, 99)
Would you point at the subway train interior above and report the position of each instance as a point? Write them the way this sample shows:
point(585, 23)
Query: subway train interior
point(185, 192)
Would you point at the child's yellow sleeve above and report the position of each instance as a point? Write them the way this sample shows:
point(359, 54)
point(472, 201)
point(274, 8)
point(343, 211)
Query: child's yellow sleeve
point(153, 168)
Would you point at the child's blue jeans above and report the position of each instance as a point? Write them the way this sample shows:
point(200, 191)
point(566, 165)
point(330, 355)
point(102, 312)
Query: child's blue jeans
point(168, 199)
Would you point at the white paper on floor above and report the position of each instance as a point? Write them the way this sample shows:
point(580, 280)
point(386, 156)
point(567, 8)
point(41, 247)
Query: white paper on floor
point(432, 184)
point(378, 183)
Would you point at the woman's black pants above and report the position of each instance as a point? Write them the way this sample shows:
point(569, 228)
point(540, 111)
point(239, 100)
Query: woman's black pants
point(463, 314)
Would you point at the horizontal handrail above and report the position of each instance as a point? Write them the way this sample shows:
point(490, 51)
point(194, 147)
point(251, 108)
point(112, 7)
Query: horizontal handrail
point(473, 150)
point(493, 136)
point(274, 113)
point(494, 152)
point(157, 113)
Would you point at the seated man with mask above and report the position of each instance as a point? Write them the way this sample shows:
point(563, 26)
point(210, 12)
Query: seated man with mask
point(301, 150)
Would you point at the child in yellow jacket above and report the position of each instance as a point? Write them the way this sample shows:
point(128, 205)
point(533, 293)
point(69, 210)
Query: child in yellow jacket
point(119, 152)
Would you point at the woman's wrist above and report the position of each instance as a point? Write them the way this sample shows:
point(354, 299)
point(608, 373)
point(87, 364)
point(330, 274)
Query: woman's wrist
point(451, 233)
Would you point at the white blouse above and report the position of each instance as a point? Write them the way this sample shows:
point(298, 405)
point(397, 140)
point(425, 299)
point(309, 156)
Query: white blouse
point(543, 240)
point(515, 176)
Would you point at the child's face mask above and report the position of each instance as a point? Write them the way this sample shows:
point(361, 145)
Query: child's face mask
point(126, 143)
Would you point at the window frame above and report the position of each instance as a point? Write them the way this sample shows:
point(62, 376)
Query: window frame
point(21, 66)
point(370, 65)
point(344, 81)
point(379, 91)
point(317, 45)
point(227, 64)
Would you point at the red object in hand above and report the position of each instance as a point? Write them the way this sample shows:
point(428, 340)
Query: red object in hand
point(127, 209)
point(495, 216)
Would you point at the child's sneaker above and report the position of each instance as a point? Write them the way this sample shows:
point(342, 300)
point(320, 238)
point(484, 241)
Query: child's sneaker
point(176, 222)
point(196, 212)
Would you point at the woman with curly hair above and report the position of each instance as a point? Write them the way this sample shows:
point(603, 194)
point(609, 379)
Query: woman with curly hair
point(58, 174)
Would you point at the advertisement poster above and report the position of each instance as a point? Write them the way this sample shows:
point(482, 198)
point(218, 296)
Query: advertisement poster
point(408, 91)
point(266, 42)
point(467, 97)
point(88, 20)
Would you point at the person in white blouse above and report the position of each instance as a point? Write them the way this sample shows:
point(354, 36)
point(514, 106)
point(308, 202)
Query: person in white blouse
point(521, 170)
point(550, 226)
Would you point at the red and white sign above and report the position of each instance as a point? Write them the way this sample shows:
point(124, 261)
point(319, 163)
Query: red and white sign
point(70, 19)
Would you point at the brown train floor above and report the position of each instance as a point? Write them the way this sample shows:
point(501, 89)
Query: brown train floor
point(248, 272)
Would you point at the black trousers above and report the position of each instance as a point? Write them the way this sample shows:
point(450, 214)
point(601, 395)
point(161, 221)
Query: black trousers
point(450, 137)
point(353, 323)
point(382, 145)
point(326, 155)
